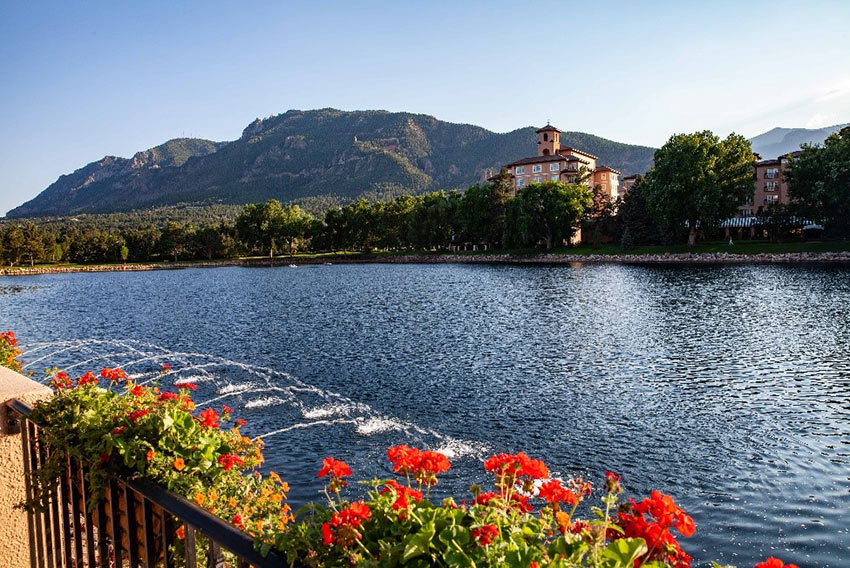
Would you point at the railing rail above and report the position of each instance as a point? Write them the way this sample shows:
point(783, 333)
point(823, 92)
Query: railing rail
point(134, 525)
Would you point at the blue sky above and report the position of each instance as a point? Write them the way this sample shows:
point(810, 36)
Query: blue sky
point(80, 80)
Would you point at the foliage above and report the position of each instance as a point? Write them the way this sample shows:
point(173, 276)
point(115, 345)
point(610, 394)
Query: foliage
point(819, 183)
point(9, 352)
point(547, 212)
point(639, 227)
point(699, 179)
point(114, 425)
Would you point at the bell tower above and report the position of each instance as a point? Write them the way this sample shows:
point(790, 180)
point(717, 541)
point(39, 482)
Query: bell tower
point(548, 140)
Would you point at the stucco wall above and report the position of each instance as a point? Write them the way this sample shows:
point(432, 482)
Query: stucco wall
point(14, 543)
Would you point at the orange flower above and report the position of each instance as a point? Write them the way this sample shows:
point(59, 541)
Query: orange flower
point(181, 532)
point(149, 455)
point(179, 464)
point(200, 498)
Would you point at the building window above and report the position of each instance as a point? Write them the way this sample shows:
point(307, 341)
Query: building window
point(746, 212)
point(537, 179)
point(768, 199)
point(771, 173)
point(604, 176)
point(553, 167)
point(520, 170)
point(536, 169)
point(770, 186)
point(520, 182)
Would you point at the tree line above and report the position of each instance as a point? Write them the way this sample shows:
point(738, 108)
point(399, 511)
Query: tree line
point(697, 181)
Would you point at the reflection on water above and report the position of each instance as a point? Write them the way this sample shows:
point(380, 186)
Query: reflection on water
point(726, 386)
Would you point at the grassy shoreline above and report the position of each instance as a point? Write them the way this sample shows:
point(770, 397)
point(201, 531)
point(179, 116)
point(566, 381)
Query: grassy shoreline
point(712, 252)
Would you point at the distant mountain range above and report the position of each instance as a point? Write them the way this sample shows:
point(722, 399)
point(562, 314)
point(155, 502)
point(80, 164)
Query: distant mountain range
point(780, 141)
point(302, 154)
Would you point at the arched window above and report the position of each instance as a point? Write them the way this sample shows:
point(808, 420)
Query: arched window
point(545, 136)
point(545, 151)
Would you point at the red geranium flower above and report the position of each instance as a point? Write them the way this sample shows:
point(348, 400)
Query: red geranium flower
point(137, 390)
point(226, 409)
point(227, 461)
point(187, 386)
point(209, 418)
point(485, 534)
point(421, 465)
point(327, 534)
point(553, 492)
point(402, 495)
point(334, 468)
point(119, 430)
point(240, 422)
point(773, 562)
point(88, 379)
point(61, 381)
point(168, 396)
point(136, 414)
point(113, 375)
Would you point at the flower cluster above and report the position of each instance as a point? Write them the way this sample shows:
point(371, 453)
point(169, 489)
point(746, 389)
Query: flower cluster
point(149, 431)
point(515, 469)
point(652, 520)
point(422, 466)
point(9, 352)
point(344, 526)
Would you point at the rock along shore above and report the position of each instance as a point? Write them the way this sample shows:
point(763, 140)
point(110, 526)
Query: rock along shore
point(667, 258)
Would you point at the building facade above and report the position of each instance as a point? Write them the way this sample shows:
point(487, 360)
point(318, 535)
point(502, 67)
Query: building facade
point(770, 186)
point(569, 165)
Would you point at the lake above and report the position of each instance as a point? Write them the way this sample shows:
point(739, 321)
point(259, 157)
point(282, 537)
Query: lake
point(727, 386)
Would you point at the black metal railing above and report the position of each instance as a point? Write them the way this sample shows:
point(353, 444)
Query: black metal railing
point(133, 525)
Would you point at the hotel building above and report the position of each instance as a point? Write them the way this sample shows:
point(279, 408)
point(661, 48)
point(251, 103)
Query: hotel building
point(554, 163)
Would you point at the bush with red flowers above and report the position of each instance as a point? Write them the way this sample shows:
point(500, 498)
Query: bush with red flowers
point(114, 425)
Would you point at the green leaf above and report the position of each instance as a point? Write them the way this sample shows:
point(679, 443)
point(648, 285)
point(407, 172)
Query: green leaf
point(624, 551)
point(418, 543)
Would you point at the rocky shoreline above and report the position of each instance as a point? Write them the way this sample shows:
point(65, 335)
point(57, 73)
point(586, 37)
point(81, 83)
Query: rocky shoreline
point(667, 258)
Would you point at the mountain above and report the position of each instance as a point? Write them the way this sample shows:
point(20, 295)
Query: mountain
point(301, 154)
point(781, 141)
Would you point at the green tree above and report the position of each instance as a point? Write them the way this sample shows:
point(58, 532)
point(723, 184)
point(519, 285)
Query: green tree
point(639, 227)
point(175, 239)
point(699, 179)
point(13, 245)
point(292, 224)
point(819, 183)
point(143, 242)
point(547, 212)
point(33, 245)
point(434, 220)
point(209, 242)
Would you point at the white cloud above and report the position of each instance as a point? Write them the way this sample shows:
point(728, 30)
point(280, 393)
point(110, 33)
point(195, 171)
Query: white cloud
point(820, 119)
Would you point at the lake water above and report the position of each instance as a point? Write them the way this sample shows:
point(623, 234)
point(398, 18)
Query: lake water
point(725, 386)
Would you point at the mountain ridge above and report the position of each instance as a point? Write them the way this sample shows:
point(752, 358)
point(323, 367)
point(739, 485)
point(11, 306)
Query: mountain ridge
point(300, 154)
point(779, 141)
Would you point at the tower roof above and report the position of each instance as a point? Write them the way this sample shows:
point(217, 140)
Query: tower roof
point(548, 128)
